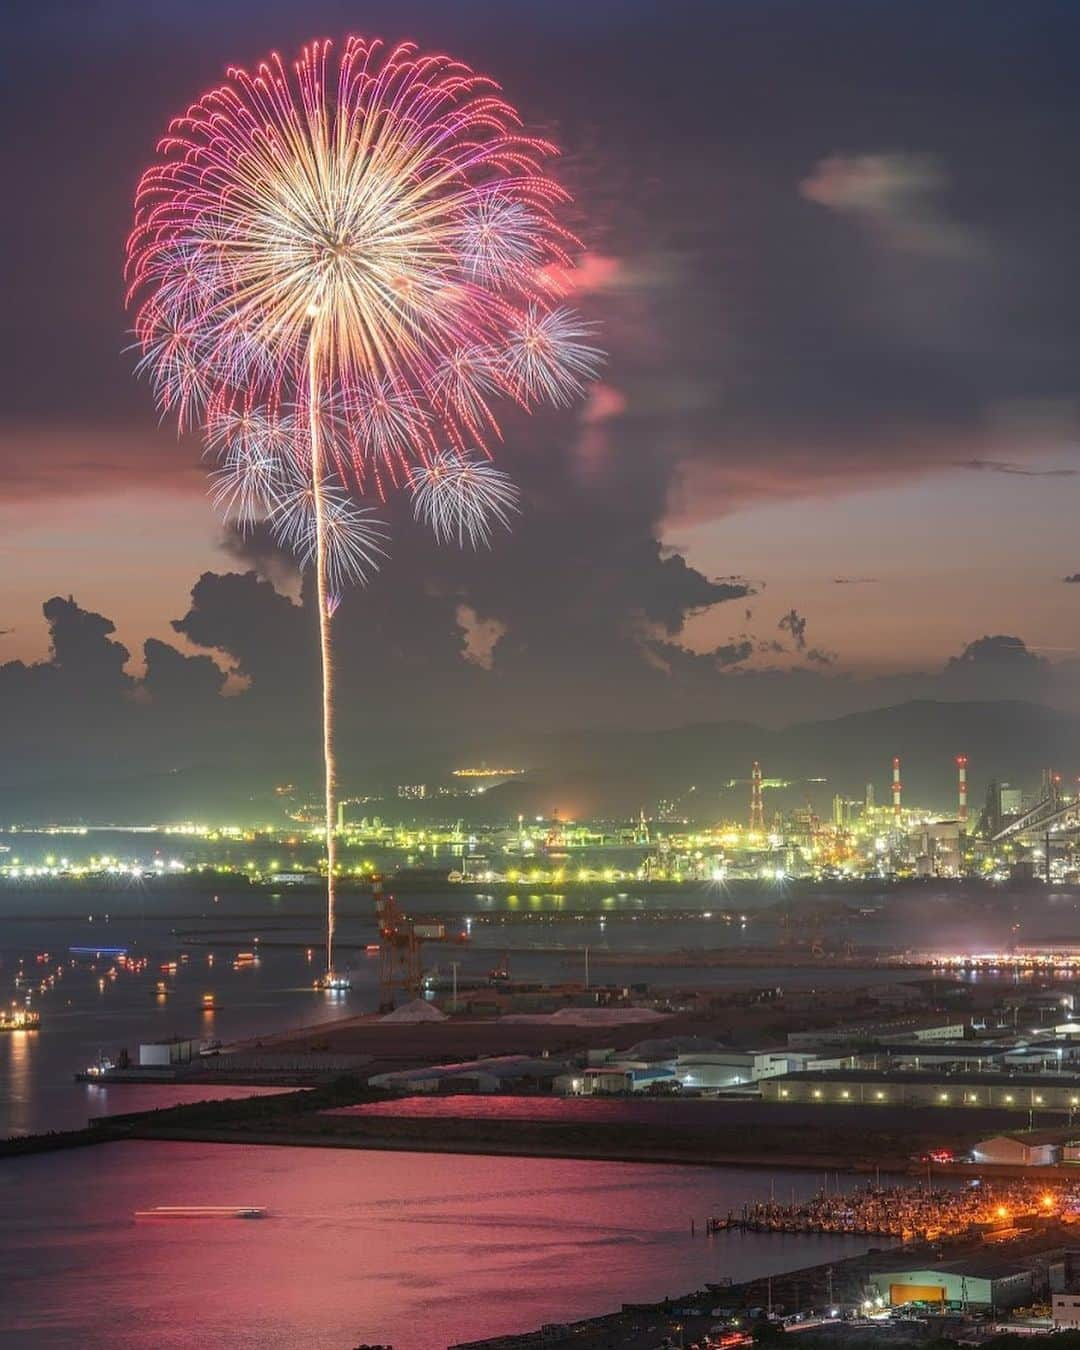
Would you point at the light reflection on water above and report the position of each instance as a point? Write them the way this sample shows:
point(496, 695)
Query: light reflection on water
point(420, 1250)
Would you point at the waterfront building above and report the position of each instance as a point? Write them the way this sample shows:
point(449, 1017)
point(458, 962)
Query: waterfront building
point(980, 1283)
point(868, 1087)
point(1027, 1148)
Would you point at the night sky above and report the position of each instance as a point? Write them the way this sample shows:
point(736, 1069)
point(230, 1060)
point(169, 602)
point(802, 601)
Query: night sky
point(832, 248)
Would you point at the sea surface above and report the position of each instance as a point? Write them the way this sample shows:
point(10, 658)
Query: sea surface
point(417, 1250)
point(86, 1011)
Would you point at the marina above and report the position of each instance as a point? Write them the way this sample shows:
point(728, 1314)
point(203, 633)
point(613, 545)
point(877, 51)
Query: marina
point(911, 1213)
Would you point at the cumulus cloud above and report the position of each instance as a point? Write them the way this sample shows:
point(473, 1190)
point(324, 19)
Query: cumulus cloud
point(1001, 649)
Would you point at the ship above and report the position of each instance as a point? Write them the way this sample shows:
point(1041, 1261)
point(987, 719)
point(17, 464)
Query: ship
point(19, 1019)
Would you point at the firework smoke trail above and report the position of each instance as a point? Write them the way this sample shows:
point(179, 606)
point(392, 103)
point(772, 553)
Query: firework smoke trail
point(338, 268)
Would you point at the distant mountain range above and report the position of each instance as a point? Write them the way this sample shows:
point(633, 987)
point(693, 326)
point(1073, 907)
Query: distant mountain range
point(607, 773)
point(703, 768)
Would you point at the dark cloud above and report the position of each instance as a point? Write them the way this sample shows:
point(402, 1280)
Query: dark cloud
point(1073, 580)
point(854, 581)
point(175, 678)
point(998, 650)
point(1008, 467)
point(680, 660)
point(794, 623)
point(820, 657)
point(82, 650)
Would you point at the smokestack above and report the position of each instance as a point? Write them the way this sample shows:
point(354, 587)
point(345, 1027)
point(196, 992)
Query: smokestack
point(896, 789)
point(961, 787)
point(757, 808)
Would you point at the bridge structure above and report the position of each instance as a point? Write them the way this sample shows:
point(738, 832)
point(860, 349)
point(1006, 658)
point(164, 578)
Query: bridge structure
point(1054, 814)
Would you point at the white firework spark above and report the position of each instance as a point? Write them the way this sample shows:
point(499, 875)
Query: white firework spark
point(175, 361)
point(352, 535)
point(548, 356)
point(254, 445)
point(462, 497)
point(499, 237)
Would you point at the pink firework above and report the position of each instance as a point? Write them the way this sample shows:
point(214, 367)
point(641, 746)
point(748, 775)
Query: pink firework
point(367, 239)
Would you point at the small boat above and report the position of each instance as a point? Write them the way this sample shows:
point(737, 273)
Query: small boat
point(209, 1003)
point(202, 1212)
point(333, 982)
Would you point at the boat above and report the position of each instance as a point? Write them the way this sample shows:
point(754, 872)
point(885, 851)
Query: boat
point(209, 1003)
point(202, 1212)
point(333, 982)
point(19, 1019)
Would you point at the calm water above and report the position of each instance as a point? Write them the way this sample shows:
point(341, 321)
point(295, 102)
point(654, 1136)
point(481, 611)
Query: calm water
point(80, 1018)
point(540, 936)
point(420, 1250)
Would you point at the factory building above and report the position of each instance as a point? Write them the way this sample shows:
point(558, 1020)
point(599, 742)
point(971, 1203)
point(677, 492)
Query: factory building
point(986, 1283)
point(908, 1088)
point(912, 1028)
point(937, 848)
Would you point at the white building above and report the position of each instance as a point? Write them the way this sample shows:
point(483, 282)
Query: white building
point(1065, 1309)
point(165, 1054)
point(1024, 1148)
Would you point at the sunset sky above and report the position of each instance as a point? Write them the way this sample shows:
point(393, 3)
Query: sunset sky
point(831, 246)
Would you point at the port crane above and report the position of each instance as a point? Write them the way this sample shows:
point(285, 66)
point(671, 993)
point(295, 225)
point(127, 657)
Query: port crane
point(400, 940)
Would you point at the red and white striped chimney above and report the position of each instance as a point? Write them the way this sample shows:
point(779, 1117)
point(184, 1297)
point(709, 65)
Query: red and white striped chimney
point(896, 788)
point(961, 787)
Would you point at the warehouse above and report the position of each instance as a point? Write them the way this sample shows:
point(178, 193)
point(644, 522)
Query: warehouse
point(1027, 1148)
point(986, 1283)
point(500, 1073)
point(1060, 1092)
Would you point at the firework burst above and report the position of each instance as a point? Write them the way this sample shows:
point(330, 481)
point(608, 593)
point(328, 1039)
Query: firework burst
point(461, 497)
point(365, 239)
